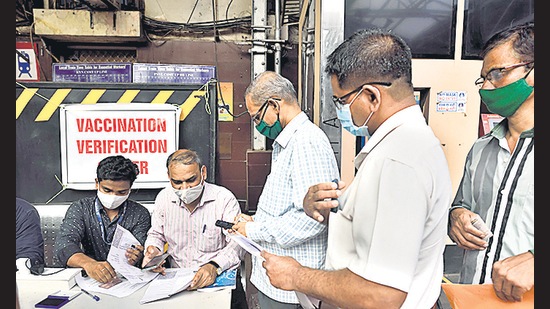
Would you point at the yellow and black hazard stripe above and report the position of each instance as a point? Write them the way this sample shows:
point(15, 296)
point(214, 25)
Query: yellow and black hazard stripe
point(52, 96)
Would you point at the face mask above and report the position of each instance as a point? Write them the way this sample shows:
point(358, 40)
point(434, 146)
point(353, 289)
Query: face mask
point(506, 100)
point(270, 131)
point(344, 115)
point(189, 195)
point(111, 201)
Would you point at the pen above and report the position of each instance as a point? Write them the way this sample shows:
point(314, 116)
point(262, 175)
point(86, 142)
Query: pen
point(90, 294)
point(335, 209)
point(204, 228)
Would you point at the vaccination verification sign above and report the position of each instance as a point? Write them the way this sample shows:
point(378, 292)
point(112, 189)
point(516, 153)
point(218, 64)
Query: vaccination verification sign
point(142, 132)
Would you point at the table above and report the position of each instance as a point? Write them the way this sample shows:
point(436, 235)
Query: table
point(186, 299)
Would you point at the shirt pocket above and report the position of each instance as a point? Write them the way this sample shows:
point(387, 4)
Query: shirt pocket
point(210, 239)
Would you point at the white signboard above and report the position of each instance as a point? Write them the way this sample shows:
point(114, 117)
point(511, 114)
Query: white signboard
point(451, 102)
point(142, 132)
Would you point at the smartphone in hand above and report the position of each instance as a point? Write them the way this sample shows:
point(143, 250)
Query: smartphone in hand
point(155, 262)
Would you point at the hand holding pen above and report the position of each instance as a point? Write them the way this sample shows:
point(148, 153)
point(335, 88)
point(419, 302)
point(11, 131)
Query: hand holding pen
point(134, 254)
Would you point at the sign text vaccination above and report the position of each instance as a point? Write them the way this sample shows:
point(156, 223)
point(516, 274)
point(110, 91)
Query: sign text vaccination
point(115, 145)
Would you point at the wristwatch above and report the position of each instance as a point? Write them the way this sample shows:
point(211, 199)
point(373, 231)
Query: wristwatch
point(218, 268)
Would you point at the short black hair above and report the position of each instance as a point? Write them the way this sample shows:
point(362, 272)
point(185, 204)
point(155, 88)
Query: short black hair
point(522, 37)
point(369, 55)
point(117, 168)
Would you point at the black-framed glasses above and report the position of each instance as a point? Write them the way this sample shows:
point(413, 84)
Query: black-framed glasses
point(339, 102)
point(261, 111)
point(496, 74)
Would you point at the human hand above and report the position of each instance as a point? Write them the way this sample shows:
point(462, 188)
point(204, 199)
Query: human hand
point(100, 271)
point(239, 227)
point(149, 254)
point(240, 223)
point(320, 198)
point(462, 231)
point(134, 253)
point(281, 270)
point(205, 276)
point(514, 276)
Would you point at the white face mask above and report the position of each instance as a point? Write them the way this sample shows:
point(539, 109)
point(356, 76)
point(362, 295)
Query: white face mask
point(189, 195)
point(111, 201)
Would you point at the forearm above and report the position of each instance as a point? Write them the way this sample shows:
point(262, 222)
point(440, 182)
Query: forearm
point(79, 260)
point(345, 289)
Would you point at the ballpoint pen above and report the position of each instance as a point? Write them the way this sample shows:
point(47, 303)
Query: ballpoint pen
point(90, 294)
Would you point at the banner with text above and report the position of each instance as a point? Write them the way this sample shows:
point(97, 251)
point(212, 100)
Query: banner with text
point(143, 132)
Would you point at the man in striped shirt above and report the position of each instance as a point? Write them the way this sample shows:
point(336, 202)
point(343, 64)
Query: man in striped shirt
point(184, 218)
point(498, 180)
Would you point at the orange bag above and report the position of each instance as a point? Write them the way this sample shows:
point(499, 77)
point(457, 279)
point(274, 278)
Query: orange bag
point(482, 296)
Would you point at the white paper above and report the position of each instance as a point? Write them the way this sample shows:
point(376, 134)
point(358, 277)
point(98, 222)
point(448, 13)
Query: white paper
point(122, 289)
point(175, 281)
point(122, 240)
point(307, 302)
point(246, 243)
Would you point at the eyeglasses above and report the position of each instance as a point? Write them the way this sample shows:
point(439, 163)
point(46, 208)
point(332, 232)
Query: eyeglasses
point(339, 102)
point(256, 117)
point(496, 74)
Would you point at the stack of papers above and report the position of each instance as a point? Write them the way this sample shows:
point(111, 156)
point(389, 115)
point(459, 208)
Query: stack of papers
point(175, 281)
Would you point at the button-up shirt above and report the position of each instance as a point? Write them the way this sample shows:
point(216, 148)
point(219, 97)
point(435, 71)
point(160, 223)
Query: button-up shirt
point(302, 156)
point(82, 232)
point(499, 186)
point(193, 238)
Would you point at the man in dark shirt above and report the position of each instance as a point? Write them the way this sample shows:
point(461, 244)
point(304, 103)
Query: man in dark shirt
point(29, 242)
point(87, 230)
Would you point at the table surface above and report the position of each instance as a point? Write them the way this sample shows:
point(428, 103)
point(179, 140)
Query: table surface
point(28, 296)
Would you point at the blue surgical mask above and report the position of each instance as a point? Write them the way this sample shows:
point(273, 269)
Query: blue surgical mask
point(344, 115)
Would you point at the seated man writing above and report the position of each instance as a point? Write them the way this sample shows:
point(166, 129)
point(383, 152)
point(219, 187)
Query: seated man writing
point(87, 230)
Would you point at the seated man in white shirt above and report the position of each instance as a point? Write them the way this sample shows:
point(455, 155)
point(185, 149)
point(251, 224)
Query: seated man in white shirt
point(184, 218)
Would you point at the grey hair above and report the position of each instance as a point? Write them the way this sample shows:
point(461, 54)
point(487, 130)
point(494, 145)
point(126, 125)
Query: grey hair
point(268, 85)
point(184, 156)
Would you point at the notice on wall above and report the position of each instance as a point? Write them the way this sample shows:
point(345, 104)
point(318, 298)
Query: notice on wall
point(144, 133)
point(451, 102)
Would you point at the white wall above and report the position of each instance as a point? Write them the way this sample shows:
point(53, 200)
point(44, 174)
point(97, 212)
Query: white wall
point(456, 131)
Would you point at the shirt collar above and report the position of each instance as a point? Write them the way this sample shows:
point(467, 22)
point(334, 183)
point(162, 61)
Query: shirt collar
point(288, 131)
point(397, 119)
point(499, 131)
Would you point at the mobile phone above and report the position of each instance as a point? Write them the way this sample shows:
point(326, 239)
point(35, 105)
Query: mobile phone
point(52, 302)
point(224, 224)
point(155, 262)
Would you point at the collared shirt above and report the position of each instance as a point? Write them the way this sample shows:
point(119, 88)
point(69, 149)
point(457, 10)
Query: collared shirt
point(499, 186)
point(29, 242)
point(193, 238)
point(302, 156)
point(81, 231)
point(392, 226)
